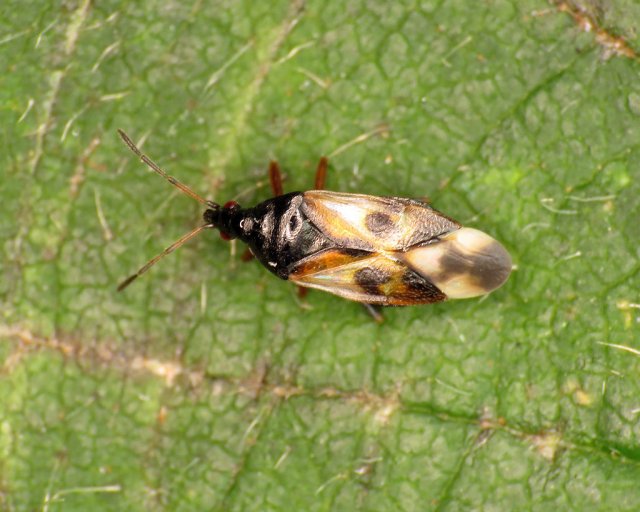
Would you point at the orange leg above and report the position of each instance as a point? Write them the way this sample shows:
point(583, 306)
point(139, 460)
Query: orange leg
point(247, 255)
point(275, 178)
point(321, 173)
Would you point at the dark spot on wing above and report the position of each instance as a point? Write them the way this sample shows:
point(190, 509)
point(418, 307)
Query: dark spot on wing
point(486, 269)
point(379, 223)
point(421, 288)
point(454, 263)
point(370, 279)
point(492, 267)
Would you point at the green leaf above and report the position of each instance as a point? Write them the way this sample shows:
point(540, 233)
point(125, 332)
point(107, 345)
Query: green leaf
point(208, 385)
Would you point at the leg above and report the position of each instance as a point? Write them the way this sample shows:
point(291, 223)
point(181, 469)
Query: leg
point(275, 178)
point(321, 173)
point(375, 312)
point(247, 255)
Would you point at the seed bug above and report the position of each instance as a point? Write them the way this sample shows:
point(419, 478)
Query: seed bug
point(380, 251)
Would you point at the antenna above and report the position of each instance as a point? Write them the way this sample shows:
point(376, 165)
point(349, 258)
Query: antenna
point(185, 190)
point(154, 167)
point(157, 258)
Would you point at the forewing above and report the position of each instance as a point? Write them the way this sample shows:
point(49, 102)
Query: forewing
point(364, 277)
point(374, 223)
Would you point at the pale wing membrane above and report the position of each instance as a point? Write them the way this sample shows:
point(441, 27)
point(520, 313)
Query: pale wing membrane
point(364, 277)
point(374, 223)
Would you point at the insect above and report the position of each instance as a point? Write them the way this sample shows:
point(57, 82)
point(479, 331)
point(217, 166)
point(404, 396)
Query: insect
point(380, 251)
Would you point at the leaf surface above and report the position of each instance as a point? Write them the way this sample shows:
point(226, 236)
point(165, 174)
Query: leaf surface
point(208, 385)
